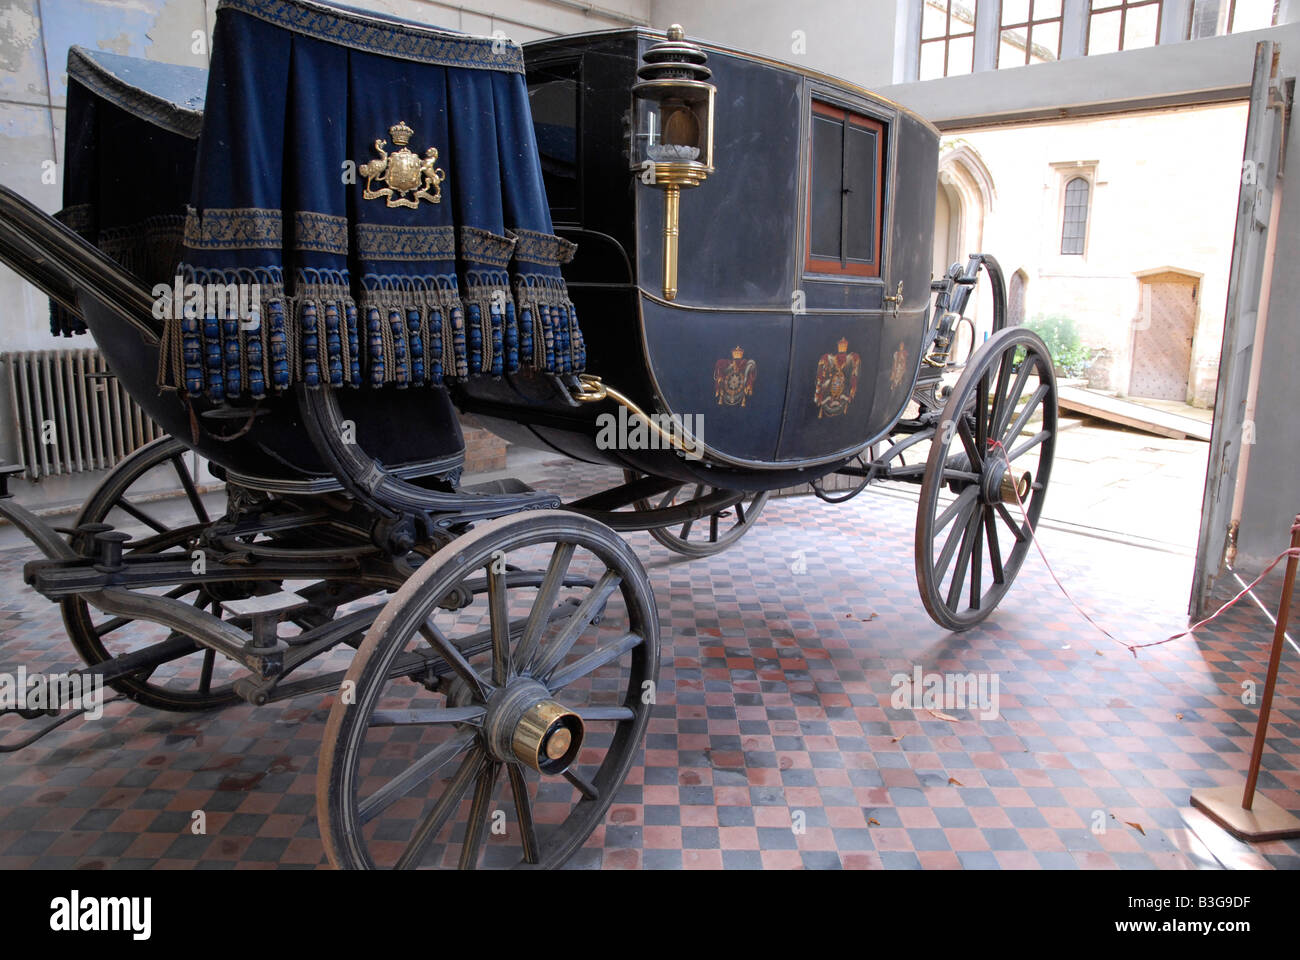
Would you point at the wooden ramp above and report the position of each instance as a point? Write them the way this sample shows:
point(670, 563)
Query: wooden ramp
point(1129, 414)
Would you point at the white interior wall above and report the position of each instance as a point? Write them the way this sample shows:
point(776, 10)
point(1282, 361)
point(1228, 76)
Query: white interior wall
point(1202, 71)
point(853, 39)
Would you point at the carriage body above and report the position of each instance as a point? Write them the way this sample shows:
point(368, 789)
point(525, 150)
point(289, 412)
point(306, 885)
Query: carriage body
point(783, 336)
point(793, 343)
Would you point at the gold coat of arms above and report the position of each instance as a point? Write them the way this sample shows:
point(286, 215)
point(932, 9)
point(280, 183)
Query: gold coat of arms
point(403, 172)
point(837, 381)
point(733, 380)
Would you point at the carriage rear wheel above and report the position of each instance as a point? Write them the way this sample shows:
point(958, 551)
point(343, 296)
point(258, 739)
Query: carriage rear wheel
point(526, 712)
point(195, 681)
point(989, 465)
point(708, 535)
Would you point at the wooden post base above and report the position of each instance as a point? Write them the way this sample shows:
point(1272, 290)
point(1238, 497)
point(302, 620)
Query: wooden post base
point(1264, 821)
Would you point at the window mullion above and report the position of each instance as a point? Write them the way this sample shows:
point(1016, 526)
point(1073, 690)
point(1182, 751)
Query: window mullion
point(1074, 29)
point(988, 32)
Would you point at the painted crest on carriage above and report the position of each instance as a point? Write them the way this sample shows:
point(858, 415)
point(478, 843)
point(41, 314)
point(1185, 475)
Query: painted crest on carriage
point(899, 370)
point(733, 380)
point(837, 380)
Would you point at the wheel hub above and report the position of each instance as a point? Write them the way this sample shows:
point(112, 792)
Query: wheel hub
point(998, 485)
point(525, 725)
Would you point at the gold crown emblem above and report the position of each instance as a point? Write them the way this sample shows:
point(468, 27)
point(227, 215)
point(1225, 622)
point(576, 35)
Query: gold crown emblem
point(843, 345)
point(738, 352)
point(401, 133)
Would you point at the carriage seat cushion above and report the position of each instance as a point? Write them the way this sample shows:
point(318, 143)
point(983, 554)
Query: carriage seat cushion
point(377, 183)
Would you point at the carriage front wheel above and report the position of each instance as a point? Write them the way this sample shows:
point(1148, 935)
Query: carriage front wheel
point(497, 703)
point(989, 465)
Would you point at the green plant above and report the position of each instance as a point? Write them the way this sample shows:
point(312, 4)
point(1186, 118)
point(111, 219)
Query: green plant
point(1064, 344)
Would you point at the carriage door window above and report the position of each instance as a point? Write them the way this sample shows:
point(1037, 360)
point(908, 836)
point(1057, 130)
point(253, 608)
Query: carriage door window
point(553, 91)
point(844, 193)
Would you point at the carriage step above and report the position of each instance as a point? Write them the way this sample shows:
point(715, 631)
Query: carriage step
point(508, 485)
point(265, 613)
point(265, 605)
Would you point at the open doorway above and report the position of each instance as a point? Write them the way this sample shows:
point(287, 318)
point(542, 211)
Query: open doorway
point(1115, 235)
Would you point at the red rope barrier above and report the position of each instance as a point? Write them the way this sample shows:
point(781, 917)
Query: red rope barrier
point(1133, 648)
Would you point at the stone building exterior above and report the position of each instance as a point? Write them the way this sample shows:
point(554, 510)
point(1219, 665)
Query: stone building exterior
point(1142, 265)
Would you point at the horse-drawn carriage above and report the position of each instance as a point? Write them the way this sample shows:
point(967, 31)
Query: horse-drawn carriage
point(422, 218)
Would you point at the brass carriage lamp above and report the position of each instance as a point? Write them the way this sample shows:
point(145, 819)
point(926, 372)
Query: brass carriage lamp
point(672, 146)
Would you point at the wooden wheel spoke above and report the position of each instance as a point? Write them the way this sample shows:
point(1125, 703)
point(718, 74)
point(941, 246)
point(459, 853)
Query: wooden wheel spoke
point(499, 620)
point(205, 675)
point(539, 615)
point(973, 453)
point(977, 560)
point(583, 785)
point(1025, 413)
point(476, 828)
point(524, 813)
point(740, 513)
point(982, 412)
point(126, 505)
point(963, 559)
point(161, 542)
point(606, 652)
point(999, 391)
point(686, 530)
point(452, 654)
point(109, 626)
point(424, 717)
point(669, 497)
point(1007, 405)
point(1023, 448)
point(958, 505)
point(1011, 523)
point(591, 605)
point(950, 545)
point(191, 491)
point(447, 804)
point(995, 549)
point(713, 528)
point(589, 714)
point(417, 773)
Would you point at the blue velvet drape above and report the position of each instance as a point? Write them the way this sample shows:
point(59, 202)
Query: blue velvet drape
point(356, 291)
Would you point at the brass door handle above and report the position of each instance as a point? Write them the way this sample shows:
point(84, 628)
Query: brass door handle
point(896, 301)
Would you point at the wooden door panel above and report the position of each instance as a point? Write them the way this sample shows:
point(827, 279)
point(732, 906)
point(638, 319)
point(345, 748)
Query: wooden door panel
point(1162, 352)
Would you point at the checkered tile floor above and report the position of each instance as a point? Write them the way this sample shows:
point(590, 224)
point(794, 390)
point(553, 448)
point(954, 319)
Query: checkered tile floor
point(774, 743)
